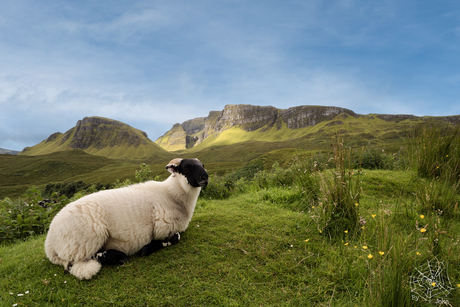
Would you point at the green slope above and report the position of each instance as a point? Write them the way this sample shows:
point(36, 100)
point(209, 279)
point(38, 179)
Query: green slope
point(361, 129)
point(20, 172)
point(236, 144)
point(103, 137)
point(253, 249)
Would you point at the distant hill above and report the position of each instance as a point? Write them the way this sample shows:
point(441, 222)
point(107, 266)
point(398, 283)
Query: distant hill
point(8, 151)
point(288, 127)
point(100, 136)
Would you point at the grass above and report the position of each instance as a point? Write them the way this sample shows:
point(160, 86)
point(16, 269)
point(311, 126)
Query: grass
point(255, 249)
point(20, 172)
point(263, 242)
point(359, 131)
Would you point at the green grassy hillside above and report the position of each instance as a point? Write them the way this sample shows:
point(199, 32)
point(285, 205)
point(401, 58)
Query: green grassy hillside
point(19, 172)
point(257, 249)
point(305, 234)
point(360, 131)
point(103, 137)
point(236, 144)
point(173, 140)
point(224, 152)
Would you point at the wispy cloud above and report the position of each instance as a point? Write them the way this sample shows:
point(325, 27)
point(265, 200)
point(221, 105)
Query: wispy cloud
point(152, 64)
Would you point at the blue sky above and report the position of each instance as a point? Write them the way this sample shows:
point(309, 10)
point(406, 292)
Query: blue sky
point(151, 64)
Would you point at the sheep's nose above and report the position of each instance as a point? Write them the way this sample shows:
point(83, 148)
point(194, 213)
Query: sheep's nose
point(204, 180)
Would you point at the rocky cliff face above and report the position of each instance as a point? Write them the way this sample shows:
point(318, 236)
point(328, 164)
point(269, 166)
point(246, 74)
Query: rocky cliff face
point(251, 118)
point(305, 116)
point(100, 136)
point(248, 118)
point(101, 132)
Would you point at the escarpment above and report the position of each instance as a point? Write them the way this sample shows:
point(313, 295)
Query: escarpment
point(100, 136)
point(247, 117)
point(100, 132)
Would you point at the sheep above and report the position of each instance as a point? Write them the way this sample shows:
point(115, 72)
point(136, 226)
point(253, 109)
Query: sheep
point(108, 226)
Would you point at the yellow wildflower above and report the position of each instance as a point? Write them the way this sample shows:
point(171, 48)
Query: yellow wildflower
point(422, 230)
point(418, 254)
point(422, 216)
point(381, 253)
point(307, 240)
point(346, 231)
point(370, 256)
point(374, 215)
point(433, 284)
point(346, 243)
point(364, 247)
point(356, 204)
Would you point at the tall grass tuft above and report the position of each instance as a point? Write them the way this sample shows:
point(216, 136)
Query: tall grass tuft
point(391, 285)
point(435, 151)
point(338, 208)
point(439, 196)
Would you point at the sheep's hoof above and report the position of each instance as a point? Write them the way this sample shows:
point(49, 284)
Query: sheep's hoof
point(174, 239)
point(124, 261)
point(111, 257)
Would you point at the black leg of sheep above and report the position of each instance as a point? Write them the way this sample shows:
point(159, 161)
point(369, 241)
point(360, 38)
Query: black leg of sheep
point(155, 245)
point(111, 257)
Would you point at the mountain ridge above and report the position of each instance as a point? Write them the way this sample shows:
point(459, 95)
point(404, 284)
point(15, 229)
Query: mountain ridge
point(233, 125)
point(8, 151)
point(100, 136)
point(249, 118)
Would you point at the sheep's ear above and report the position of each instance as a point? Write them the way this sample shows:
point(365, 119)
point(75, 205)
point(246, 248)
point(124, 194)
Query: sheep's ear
point(173, 165)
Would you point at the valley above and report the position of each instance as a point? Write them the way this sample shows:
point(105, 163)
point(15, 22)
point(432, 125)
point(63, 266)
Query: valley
point(101, 150)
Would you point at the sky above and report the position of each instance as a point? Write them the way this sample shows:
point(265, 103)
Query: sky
point(151, 64)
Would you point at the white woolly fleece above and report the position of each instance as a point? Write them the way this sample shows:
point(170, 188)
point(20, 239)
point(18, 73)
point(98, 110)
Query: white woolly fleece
point(124, 219)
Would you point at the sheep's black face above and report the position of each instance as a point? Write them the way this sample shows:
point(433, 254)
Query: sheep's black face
point(194, 171)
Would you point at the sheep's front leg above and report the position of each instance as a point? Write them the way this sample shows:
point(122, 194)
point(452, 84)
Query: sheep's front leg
point(155, 245)
point(110, 257)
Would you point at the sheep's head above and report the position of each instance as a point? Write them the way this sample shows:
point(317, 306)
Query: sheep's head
point(192, 169)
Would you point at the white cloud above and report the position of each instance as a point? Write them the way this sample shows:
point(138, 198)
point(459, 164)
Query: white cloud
point(152, 64)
